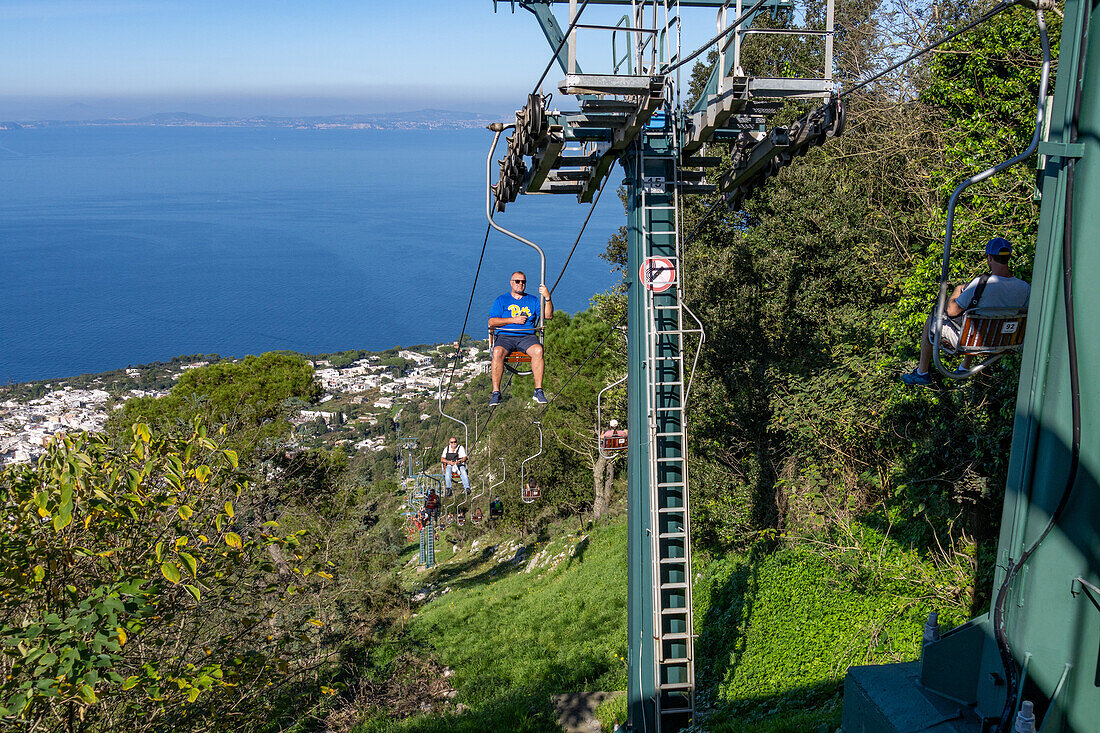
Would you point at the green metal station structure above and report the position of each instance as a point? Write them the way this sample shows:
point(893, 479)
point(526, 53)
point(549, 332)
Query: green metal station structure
point(1041, 642)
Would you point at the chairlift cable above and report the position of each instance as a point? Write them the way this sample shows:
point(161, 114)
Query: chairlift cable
point(994, 11)
point(568, 381)
point(577, 241)
point(561, 44)
point(698, 52)
point(706, 215)
point(458, 352)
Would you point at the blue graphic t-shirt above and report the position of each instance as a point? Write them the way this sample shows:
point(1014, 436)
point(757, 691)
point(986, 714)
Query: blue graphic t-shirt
point(508, 307)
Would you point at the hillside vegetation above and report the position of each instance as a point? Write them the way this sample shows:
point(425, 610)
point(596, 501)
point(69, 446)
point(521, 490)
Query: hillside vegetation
point(195, 568)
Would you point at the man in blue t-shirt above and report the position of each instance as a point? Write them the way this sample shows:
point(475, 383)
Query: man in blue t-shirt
point(514, 317)
point(999, 289)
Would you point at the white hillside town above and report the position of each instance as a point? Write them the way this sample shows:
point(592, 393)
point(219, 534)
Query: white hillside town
point(371, 386)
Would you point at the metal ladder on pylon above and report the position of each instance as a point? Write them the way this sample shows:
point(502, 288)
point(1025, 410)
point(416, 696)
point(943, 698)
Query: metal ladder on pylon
point(667, 394)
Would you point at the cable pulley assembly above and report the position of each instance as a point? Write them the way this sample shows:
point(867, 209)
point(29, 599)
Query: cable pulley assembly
point(758, 158)
point(531, 131)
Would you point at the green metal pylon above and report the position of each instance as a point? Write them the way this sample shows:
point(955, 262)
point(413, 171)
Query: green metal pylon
point(660, 660)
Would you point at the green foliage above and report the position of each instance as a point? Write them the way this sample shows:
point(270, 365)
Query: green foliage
point(252, 397)
point(782, 627)
point(398, 365)
point(131, 595)
point(984, 87)
point(611, 712)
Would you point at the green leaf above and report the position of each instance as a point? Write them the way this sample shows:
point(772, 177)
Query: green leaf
point(232, 456)
point(229, 509)
point(170, 571)
point(64, 517)
point(130, 682)
point(202, 473)
point(39, 573)
point(185, 511)
point(233, 540)
point(87, 694)
point(159, 550)
point(190, 562)
point(195, 593)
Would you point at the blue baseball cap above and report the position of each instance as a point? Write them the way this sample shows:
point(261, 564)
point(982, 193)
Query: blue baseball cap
point(999, 246)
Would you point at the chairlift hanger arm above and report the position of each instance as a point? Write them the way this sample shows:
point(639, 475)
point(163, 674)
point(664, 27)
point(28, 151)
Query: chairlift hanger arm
point(497, 129)
point(943, 307)
point(465, 427)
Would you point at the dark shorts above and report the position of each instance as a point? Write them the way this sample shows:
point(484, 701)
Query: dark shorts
point(515, 342)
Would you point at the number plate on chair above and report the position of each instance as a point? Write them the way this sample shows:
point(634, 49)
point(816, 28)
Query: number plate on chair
point(1010, 326)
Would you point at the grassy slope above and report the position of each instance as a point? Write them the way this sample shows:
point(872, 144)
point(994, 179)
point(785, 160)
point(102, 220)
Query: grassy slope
point(516, 633)
point(777, 630)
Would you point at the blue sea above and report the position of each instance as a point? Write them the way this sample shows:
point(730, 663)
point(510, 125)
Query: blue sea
point(125, 245)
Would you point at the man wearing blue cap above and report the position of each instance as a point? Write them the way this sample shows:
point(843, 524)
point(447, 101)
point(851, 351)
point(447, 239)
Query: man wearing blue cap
point(999, 289)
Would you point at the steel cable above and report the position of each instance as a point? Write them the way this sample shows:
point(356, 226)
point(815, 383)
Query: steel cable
point(577, 241)
point(557, 50)
point(461, 333)
point(996, 10)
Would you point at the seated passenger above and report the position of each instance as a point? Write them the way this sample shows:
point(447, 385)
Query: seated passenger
point(613, 439)
point(514, 317)
point(432, 506)
point(454, 461)
point(477, 516)
point(496, 508)
point(1000, 289)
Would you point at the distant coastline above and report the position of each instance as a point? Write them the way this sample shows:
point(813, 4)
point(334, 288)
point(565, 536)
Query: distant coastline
point(426, 119)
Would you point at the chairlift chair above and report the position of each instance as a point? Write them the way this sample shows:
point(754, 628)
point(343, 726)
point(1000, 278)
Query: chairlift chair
point(496, 506)
point(985, 333)
point(989, 332)
point(517, 362)
point(455, 474)
point(613, 441)
point(530, 494)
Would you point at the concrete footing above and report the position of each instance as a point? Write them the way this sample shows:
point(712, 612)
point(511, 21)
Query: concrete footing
point(887, 699)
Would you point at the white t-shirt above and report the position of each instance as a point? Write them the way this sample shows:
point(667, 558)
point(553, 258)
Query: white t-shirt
point(1000, 292)
point(461, 452)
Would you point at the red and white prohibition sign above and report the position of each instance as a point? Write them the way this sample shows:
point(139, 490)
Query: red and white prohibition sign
point(657, 274)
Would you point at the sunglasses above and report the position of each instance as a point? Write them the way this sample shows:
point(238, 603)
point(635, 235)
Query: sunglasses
point(520, 281)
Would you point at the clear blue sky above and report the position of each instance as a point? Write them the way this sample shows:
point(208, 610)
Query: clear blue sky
point(269, 56)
